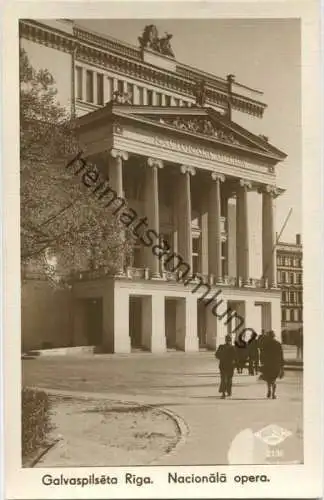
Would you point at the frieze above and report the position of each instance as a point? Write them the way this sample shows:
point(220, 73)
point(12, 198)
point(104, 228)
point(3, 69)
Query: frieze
point(201, 126)
point(183, 147)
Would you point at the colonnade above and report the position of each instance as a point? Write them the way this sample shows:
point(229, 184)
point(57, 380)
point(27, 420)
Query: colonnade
point(183, 207)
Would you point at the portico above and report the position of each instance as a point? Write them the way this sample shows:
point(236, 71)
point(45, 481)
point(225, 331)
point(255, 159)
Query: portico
point(184, 171)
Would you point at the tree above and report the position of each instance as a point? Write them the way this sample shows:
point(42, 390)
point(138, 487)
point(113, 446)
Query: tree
point(58, 218)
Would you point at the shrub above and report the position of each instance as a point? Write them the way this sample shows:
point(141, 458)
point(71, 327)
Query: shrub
point(35, 406)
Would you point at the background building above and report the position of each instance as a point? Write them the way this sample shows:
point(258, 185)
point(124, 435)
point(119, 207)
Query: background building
point(290, 280)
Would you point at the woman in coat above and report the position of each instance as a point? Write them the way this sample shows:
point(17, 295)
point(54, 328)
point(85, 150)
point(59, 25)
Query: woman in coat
point(272, 363)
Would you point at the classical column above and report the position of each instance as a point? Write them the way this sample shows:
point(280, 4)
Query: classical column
point(152, 211)
point(108, 90)
point(116, 170)
point(144, 96)
point(184, 215)
point(116, 181)
point(224, 200)
point(242, 231)
point(214, 227)
point(269, 271)
point(136, 99)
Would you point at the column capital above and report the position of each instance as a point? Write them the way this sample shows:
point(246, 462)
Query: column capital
point(117, 153)
point(245, 183)
point(154, 162)
point(184, 169)
point(272, 190)
point(216, 176)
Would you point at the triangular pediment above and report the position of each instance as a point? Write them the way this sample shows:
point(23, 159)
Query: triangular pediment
point(204, 123)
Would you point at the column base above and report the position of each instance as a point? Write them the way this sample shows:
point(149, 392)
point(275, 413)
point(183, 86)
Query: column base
point(156, 276)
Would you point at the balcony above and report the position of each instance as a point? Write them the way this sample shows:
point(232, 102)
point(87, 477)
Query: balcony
point(144, 274)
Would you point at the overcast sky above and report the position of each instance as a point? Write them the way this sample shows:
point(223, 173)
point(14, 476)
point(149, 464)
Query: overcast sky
point(263, 54)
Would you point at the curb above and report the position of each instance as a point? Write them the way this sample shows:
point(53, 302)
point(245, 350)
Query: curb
point(181, 425)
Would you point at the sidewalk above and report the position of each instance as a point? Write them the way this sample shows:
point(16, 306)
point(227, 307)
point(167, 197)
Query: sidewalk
point(209, 425)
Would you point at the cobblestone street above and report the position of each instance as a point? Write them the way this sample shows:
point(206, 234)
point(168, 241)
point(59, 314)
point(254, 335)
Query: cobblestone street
point(186, 384)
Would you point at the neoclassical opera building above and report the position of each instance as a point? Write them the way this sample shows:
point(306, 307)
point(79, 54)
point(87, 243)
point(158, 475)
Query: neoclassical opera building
point(168, 137)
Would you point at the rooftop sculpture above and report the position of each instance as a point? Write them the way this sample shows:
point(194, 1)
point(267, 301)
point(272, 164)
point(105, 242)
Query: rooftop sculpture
point(150, 40)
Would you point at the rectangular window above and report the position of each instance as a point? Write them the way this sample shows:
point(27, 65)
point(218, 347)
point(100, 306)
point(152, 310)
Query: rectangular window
point(284, 296)
point(283, 314)
point(291, 262)
point(291, 314)
point(300, 315)
point(89, 96)
point(292, 297)
point(291, 278)
point(185, 104)
point(300, 297)
point(78, 78)
point(100, 89)
point(158, 99)
point(140, 96)
point(149, 98)
point(195, 245)
point(168, 100)
point(120, 86)
point(177, 102)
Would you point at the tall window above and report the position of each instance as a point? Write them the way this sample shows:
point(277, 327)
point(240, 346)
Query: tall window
point(150, 98)
point(120, 86)
point(284, 296)
point(291, 278)
point(291, 314)
point(177, 102)
point(141, 96)
point(195, 255)
point(283, 314)
point(300, 315)
point(78, 78)
point(300, 297)
point(100, 89)
point(130, 92)
point(89, 90)
point(159, 99)
point(292, 297)
point(168, 100)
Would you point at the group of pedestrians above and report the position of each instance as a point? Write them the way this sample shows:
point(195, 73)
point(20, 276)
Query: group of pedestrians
point(263, 354)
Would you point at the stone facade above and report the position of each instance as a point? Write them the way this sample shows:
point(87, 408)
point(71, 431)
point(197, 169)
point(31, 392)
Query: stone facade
point(205, 185)
point(290, 280)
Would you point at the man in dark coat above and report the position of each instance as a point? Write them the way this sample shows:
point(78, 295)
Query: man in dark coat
point(227, 358)
point(272, 363)
point(253, 353)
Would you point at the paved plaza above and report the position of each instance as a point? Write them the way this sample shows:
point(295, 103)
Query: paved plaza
point(187, 385)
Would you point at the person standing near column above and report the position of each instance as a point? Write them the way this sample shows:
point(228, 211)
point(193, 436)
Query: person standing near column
point(227, 358)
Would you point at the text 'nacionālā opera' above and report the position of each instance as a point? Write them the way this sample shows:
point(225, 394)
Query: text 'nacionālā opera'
point(167, 136)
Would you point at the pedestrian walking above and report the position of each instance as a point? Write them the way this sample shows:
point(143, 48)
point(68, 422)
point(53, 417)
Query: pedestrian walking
point(253, 355)
point(272, 362)
point(241, 356)
point(227, 358)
